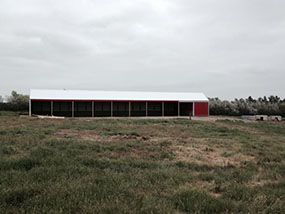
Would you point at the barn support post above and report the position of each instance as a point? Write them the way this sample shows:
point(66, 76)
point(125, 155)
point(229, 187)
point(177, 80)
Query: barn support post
point(129, 109)
point(193, 109)
point(92, 109)
point(111, 108)
point(178, 109)
point(146, 109)
point(162, 107)
point(72, 108)
point(30, 107)
point(208, 109)
point(51, 108)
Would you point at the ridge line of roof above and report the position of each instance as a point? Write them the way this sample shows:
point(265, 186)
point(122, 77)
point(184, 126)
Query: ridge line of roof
point(114, 91)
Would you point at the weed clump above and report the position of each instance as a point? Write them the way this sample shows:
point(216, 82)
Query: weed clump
point(194, 201)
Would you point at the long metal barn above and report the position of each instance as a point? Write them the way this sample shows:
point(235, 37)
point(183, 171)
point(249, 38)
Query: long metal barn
point(82, 103)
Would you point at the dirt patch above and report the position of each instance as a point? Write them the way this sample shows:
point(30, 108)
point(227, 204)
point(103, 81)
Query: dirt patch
point(128, 137)
point(93, 135)
point(215, 118)
point(255, 183)
point(203, 154)
point(80, 134)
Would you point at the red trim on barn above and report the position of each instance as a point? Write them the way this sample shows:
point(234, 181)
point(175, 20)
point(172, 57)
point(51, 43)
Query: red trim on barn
point(201, 109)
point(55, 100)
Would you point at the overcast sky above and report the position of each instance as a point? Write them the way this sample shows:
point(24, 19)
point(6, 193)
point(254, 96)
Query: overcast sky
point(224, 48)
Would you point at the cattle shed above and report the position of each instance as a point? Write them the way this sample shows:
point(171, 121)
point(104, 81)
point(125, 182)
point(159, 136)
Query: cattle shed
point(86, 103)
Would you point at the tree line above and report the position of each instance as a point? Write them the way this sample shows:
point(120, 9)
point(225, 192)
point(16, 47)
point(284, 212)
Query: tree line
point(272, 105)
point(15, 102)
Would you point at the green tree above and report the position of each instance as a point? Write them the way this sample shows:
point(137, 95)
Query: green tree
point(282, 109)
point(1, 99)
point(274, 99)
point(18, 101)
point(263, 105)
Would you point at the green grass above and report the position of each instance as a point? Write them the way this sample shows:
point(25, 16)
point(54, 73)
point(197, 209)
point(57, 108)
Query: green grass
point(140, 166)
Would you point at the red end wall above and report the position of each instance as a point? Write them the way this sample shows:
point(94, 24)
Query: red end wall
point(201, 109)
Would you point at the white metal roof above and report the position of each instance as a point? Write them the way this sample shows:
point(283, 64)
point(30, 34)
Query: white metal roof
point(43, 94)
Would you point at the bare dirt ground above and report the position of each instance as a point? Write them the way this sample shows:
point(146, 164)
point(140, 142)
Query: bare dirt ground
point(202, 154)
point(196, 150)
point(93, 135)
point(215, 118)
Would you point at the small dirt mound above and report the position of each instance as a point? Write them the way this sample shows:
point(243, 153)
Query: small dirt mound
point(129, 137)
point(95, 136)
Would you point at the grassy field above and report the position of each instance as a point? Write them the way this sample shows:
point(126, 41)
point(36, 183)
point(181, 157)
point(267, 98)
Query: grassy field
point(140, 166)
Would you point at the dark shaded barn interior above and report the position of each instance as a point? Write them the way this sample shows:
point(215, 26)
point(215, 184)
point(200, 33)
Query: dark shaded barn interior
point(41, 107)
point(171, 109)
point(102, 109)
point(120, 109)
point(138, 109)
point(110, 108)
point(154, 108)
point(186, 109)
point(62, 108)
point(83, 109)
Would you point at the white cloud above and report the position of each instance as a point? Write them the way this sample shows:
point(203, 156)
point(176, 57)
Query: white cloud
point(223, 48)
